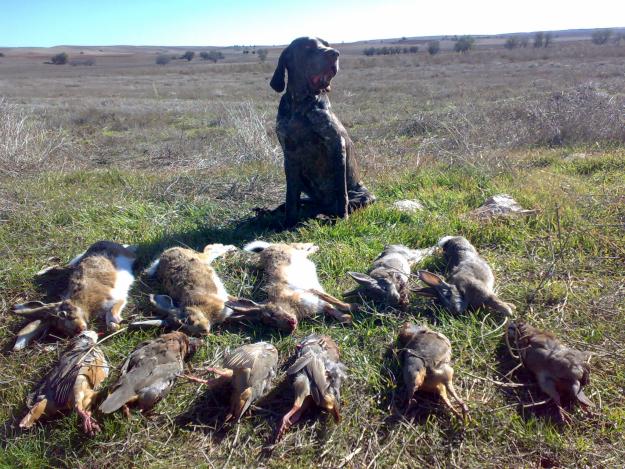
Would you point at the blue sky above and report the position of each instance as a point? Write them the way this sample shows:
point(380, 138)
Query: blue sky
point(228, 22)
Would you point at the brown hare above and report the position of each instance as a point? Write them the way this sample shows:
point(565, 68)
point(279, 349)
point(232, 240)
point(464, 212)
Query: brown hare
point(98, 285)
point(293, 289)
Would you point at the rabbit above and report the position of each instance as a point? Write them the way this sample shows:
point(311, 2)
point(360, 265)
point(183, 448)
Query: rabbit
point(293, 289)
point(193, 285)
point(98, 284)
point(387, 282)
point(470, 280)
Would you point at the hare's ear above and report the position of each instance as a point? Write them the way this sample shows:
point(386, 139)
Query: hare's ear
point(35, 309)
point(163, 303)
point(243, 305)
point(363, 279)
point(28, 306)
point(31, 331)
point(431, 279)
point(427, 291)
point(277, 81)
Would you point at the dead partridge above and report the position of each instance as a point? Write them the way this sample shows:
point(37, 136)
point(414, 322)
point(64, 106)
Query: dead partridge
point(426, 357)
point(317, 374)
point(71, 384)
point(250, 370)
point(560, 371)
point(150, 371)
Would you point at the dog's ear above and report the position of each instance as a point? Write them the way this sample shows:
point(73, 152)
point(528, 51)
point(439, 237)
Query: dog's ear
point(277, 81)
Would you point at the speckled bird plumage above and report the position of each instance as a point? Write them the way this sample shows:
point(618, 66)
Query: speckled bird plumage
point(71, 384)
point(317, 374)
point(150, 371)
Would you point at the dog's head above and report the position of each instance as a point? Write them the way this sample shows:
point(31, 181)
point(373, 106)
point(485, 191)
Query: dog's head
point(310, 63)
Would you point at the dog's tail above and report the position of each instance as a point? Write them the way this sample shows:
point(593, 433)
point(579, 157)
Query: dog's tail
point(256, 246)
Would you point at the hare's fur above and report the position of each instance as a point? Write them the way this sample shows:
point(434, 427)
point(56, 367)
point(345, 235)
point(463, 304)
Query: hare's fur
point(470, 280)
point(193, 285)
point(291, 283)
point(387, 281)
point(98, 285)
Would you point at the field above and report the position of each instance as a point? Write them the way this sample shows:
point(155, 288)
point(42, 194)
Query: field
point(180, 154)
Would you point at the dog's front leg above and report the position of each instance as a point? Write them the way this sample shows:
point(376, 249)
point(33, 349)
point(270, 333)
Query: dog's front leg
point(338, 154)
point(293, 190)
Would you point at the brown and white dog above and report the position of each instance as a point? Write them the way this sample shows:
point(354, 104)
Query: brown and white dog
point(319, 156)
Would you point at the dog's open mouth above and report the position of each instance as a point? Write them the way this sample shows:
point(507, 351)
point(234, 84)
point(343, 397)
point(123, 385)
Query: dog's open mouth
point(321, 81)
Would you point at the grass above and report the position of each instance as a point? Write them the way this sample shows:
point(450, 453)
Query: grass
point(563, 268)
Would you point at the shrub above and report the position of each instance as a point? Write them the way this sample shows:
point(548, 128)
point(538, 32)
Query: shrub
point(389, 50)
point(434, 47)
point(1, 54)
point(601, 36)
point(188, 55)
point(59, 59)
point(464, 44)
point(162, 59)
point(213, 55)
point(262, 54)
point(89, 61)
point(583, 115)
point(548, 39)
point(539, 39)
point(511, 43)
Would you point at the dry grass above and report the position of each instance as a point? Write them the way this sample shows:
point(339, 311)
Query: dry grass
point(27, 145)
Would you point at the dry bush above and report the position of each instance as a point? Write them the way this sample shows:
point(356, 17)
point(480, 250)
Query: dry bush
point(577, 116)
point(251, 140)
point(26, 144)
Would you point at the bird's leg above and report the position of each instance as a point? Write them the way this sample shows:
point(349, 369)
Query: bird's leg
point(442, 391)
point(293, 415)
point(126, 411)
point(83, 397)
point(463, 406)
point(89, 424)
point(223, 372)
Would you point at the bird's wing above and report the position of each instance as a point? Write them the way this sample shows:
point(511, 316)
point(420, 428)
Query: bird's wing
point(434, 349)
point(59, 382)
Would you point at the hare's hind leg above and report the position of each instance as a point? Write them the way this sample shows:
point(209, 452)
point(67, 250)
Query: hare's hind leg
point(113, 314)
point(338, 304)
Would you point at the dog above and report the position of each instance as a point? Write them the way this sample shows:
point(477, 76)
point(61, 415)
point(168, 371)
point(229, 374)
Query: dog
point(319, 156)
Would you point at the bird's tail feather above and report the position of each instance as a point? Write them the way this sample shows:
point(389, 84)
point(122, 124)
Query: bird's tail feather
point(117, 398)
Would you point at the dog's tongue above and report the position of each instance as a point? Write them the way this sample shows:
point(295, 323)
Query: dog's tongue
point(316, 80)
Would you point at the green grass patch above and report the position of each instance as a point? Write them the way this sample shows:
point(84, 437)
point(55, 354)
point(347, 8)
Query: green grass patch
point(561, 267)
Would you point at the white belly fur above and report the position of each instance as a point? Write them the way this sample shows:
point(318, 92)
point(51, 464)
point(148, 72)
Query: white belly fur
point(301, 274)
point(124, 278)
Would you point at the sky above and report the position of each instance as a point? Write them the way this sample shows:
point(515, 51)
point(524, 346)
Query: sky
point(44, 23)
